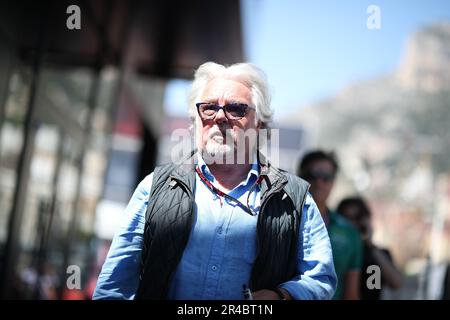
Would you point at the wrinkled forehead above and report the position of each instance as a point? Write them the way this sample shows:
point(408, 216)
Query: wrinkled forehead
point(226, 90)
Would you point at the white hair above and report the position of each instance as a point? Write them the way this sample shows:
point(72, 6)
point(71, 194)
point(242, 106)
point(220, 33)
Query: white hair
point(247, 74)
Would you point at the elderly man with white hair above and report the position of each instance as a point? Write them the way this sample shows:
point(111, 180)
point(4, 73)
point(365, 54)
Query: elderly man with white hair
point(223, 218)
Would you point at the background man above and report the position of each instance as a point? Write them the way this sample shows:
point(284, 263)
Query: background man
point(319, 168)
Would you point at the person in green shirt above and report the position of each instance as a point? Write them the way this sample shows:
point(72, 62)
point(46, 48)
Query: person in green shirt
point(319, 168)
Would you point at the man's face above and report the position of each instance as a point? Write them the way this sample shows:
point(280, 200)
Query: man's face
point(212, 133)
point(320, 174)
point(359, 220)
point(352, 213)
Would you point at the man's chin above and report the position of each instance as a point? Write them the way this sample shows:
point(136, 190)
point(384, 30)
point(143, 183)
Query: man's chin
point(320, 198)
point(217, 152)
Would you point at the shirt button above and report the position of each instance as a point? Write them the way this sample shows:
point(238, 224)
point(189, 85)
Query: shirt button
point(219, 231)
point(214, 268)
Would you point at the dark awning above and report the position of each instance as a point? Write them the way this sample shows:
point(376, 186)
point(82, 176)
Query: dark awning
point(158, 38)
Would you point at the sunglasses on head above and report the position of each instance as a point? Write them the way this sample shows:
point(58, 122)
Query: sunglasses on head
point(315, 175)
point(233, 111)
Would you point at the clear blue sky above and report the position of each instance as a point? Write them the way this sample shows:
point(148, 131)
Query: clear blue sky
point(312, 49)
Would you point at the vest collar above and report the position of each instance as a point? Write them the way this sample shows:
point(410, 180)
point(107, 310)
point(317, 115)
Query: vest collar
point(274, 179)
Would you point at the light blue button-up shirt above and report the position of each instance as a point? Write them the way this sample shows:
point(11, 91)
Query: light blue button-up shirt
point(221, 249)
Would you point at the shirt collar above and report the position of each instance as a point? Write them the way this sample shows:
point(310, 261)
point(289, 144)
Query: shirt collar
point(252, 175)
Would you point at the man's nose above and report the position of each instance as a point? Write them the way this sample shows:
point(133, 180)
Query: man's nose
point(220, 116)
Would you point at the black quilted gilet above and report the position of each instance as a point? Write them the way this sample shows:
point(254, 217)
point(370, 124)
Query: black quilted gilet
point(169, 220)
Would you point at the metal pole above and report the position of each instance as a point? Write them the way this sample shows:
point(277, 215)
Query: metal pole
point(51, 209)
point(80, 164)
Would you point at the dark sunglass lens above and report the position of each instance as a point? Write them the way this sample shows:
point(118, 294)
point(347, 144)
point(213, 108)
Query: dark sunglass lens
point(235, 110)
point(326, 176)
point(208, 109)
